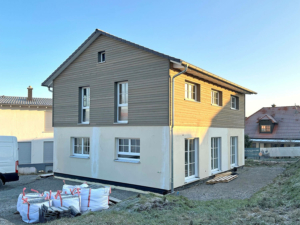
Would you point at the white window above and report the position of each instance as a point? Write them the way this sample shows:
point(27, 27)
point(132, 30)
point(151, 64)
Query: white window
point(128, 149)
point(122, 106)
point(85, 105)
point(190, 158)
point(101, 57)
point(234, 102)
point(81, 146)
point(265, 128)
point(190, 91)
point(215, 154)
point(233, 150)
point(215, 97)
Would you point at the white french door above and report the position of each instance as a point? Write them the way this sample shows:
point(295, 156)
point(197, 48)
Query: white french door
point(190, 158)
point(233, 151)
point(215, 154)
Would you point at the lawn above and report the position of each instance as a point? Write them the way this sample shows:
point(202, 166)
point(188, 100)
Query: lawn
point(277, 203)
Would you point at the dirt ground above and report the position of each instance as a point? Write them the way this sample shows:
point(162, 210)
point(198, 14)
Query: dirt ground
point(249, 181)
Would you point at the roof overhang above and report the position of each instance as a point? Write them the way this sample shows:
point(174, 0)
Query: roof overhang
point(210, 77)
point(275, 140)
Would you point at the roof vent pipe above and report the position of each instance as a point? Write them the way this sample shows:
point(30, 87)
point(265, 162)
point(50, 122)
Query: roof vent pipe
point(172, 153)
point(29, 96)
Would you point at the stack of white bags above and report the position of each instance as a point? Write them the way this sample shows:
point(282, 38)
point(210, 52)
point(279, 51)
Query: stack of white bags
point(82, 197)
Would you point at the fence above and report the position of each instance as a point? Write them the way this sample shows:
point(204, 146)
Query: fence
point(281, 152)
point(252, 153)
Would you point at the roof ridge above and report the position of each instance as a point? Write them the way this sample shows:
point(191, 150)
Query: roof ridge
point(1, 96)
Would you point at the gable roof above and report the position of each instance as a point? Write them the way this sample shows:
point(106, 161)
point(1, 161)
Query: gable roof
point(97, 33)
point(287, 127)
point(267, 117)
point(11, 100)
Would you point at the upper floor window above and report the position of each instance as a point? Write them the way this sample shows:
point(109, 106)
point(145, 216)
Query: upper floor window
point(122, 102)
point(81, 146)
point(265, 128)
point(85, 105)
point(216, 97)
point(234, 102)
point(101, 57)
point(190, 91)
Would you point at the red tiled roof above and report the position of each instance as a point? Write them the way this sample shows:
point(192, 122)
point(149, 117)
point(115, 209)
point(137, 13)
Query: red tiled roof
point(287, 127)
point(267, 117)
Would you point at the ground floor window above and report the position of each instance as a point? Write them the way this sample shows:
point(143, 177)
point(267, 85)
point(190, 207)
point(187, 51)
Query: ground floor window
point(190, 158)
point(128, 149)
point(81, 146)
point(233, 150)
point(215, 153)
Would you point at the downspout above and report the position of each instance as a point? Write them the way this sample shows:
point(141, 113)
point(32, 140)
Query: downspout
point(173, 110)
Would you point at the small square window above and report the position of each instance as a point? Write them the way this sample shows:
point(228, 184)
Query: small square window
point(265, 128)
point(80, 146)
point(128, 149)
point(101, 57)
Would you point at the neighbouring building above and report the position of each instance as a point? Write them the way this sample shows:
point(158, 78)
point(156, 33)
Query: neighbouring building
point(112, 117)
point(274, 127)
point(30, 120)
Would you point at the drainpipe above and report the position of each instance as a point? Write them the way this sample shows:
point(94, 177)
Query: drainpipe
point(173, 110)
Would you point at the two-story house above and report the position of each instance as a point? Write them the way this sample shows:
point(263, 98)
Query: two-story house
point(115, 121)
point(274, 127)
point(30, 120)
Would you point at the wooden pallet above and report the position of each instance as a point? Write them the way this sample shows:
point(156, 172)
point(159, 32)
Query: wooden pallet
point(224, 179)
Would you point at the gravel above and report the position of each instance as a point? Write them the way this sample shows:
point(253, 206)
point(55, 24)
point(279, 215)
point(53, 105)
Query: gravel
point(249, 181)
point(10, 191)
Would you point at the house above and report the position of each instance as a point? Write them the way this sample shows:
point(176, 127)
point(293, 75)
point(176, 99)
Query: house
point(112, 117)
point(274, 127)
point(30, 120)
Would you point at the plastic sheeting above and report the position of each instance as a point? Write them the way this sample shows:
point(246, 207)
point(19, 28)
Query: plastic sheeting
point(95, 199)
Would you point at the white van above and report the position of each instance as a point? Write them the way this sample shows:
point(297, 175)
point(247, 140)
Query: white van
point(8, 159)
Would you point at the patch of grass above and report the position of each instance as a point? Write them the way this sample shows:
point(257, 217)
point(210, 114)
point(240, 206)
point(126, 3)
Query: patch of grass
point(277, 203)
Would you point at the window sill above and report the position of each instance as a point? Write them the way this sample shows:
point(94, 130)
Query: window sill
point(121, 123)
point(79, 157)
point(127, 161)
point(83, 123)
point(234, 109)
point(190, 180)
point(215, 172)
point(233, 166)
point(190, 100)
point(101, 62)
point(216, 105)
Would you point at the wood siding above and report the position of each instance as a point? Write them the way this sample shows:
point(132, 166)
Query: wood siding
point(147, 76)
point(203, 113)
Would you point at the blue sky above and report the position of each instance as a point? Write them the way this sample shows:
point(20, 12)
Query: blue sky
point(253, 43)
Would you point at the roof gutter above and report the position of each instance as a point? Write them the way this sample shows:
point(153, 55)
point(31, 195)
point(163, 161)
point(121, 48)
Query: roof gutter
point(173, 113)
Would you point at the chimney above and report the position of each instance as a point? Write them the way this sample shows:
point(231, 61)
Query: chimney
point(273, 105)
point(29, 97)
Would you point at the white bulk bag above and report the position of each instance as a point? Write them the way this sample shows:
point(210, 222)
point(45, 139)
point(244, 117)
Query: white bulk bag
point(30, 209)
point(94, 199)
point(69, 189)
point(28, 196)
point(67, 200)
point(49, 194)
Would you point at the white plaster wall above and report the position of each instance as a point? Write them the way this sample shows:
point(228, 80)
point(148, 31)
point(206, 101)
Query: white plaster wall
point(205, 134)
point(28, 125)
point(152, 171)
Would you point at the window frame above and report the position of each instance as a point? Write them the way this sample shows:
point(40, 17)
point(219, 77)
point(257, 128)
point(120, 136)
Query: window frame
point(85, 107)
point(236, 102)
point(186, 93)
point(264, 130)
point(82, 155)
point(101, 57)
point(212, 97)
point(234, 139)
point(129, 153)
point(214, 170)
point(118, 101)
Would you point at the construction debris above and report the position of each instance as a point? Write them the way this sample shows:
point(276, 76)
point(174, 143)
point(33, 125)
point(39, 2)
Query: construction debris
point(223, 174)
point(222, 179)
point(46, 175)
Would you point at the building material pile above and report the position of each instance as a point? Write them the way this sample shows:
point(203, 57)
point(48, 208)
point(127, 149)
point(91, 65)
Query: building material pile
point(68, 202)
point(222, 178)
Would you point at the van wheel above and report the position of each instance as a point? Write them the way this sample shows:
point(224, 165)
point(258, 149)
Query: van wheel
point(1, 182)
